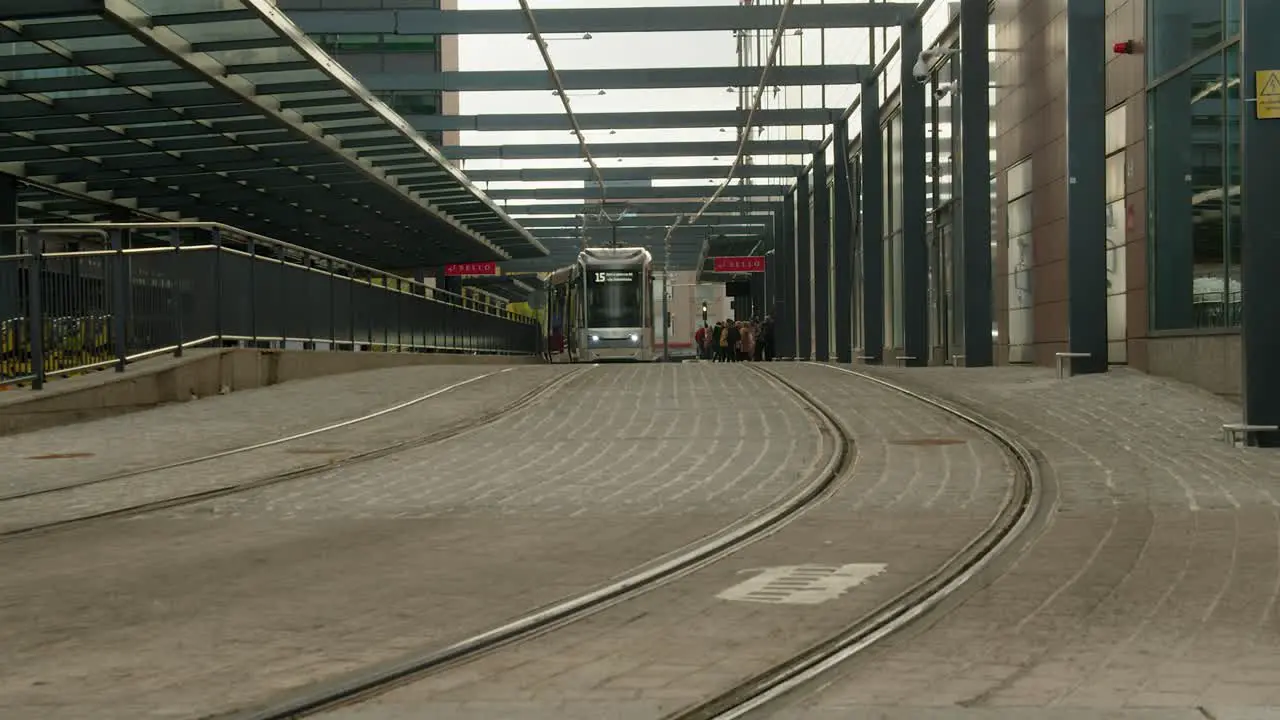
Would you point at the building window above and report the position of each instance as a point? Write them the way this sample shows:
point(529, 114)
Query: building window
point(1181, 30)
point(1021, 256)
point(1194, 209)
point(1117, 228)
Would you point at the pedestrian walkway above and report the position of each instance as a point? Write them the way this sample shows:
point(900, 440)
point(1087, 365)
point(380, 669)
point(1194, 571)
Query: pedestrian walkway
point(1152, 592)
point(234, 599)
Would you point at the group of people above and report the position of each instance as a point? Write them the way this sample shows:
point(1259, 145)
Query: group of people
point(736, 340)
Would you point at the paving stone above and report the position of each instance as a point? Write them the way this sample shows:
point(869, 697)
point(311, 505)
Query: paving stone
point(178, 431)
point(905, 504)
point(486, 395)
point(1155, 583)
point(190, 610)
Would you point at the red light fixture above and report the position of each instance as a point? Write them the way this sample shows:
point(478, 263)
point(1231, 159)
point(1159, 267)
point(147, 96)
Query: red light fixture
point(1126, 47)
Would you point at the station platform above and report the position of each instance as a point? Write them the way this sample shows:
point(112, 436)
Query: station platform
point(1148, 588)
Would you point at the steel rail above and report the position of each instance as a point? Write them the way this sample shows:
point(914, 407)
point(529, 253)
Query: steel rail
point(656, 574)
point(1005, 528)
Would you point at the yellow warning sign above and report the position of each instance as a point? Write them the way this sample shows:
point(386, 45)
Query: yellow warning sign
point(1268, 94)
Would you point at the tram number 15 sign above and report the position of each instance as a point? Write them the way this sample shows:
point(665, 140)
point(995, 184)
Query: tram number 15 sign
point(744, 264)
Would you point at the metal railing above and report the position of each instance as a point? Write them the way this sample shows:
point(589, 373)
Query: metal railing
point(81, 297)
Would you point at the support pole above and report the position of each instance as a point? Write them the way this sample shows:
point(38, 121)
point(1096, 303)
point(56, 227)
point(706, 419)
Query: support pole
point(788, 311)
point(821, 259)
point(1086, 185)
point(8, 213)
point(871, 241)
point(804, 270)
point(973, 261)
point(1261, 243)
point(842, 245)
point(915, 245)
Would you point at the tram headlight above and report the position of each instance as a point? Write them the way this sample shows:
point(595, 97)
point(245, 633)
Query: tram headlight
point(595, 338)
point(633, 337)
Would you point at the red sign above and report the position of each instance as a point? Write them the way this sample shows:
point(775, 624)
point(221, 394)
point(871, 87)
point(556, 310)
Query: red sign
point(745, 264)
point(474, 268)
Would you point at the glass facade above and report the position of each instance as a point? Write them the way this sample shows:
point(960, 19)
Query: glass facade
point(1194, 121)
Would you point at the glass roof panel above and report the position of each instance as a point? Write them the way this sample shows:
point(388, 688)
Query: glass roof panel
point(174, 7)
point(231, 30)
point(256, 56)
point(105, 42)
point(279, 76)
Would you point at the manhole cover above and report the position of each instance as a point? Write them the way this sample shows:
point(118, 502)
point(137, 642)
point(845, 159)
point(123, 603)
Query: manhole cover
point(60, 456)
point(315, 451)
point(928, 442)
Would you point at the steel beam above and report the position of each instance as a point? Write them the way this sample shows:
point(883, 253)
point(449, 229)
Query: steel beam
point(871, 240)
point(617, 150)
point(915, 243)
point(52, 9)
point(706, 222)
point(616, 79)
point(821, 259)
point(592, 192)
point(842, 245)
point(666, 209)
point(619, 121)
point(1261, 242)
point(972, 262)
point(687, 172)
point(1086, 185)
point(597, 20)
point(804, 269)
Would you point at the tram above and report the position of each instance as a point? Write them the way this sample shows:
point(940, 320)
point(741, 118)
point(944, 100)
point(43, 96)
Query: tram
point(601, 307)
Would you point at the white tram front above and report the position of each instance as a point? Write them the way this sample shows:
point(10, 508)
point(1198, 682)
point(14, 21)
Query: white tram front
point(601, 307)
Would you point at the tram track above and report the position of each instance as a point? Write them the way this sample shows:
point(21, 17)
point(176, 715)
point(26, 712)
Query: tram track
point(655, 574)
point(445, 433)
point(763, 689)
point(755, 695)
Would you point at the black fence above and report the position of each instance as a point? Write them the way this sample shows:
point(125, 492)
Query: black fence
point(77, 298)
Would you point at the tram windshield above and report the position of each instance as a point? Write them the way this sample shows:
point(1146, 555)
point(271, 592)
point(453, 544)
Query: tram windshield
point(615, 298)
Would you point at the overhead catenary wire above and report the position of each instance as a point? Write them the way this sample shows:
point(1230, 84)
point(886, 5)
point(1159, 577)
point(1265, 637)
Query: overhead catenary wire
point(774, 47)
point(568, 107)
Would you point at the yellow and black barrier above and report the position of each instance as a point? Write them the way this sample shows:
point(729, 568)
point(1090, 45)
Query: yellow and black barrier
point(69, 342)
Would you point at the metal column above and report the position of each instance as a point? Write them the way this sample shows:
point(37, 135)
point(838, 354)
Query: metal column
point(973, 261)
point(821, 259)
point(871, 239)
point(8, 214)
point(1260, 338)
point(1086, 185)
point(785, 326)
point(804, 270)
point(842, 245)
point(915, 244)
point(770, 283)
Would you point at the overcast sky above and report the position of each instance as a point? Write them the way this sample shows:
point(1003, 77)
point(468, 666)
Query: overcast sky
point(639, 50)
point(658, 50)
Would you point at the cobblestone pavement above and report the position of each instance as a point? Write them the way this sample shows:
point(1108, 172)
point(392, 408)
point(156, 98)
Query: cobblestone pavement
point(488, 394)
point(1151, 593)
point(178, 431)
point(921, 487)
point(189, 610)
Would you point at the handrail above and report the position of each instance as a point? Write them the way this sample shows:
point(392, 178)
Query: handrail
point(99, 227)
